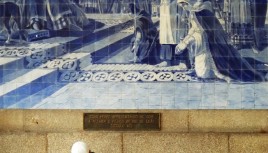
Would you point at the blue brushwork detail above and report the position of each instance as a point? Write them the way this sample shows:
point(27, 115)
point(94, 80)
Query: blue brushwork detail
point(27, 90)
point(211, 56)
point(109, 50)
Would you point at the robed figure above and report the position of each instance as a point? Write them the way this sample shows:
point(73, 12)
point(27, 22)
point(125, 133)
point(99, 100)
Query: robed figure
point(173, 28)
point(208, 43)
point(145, 43)
point(52, 15)
point(259, 18)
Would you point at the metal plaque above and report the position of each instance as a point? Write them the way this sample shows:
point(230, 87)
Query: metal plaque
point(122, 121)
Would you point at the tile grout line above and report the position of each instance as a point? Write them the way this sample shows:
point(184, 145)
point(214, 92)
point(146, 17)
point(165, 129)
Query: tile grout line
point(122, 142)
point(46, 135)
point(188, 121)
point(228, 143)
point(23, 120)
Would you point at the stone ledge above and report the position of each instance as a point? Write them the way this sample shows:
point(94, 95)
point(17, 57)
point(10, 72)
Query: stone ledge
point(174, 121)
point(11, 120)
point(227, 121)
point(72, 120)
point(52, 121)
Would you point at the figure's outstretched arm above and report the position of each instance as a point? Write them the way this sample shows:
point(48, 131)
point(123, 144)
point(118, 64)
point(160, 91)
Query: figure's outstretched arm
point(136, 42)
point(184, 43)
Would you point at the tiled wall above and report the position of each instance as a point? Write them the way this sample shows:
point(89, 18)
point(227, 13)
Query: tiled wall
point(79, 58)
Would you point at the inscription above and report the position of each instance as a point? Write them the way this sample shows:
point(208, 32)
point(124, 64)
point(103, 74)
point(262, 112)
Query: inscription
point(122, 121)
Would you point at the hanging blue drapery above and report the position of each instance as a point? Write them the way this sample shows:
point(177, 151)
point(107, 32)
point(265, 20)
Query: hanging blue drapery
point(144, 5)
point(105, 6)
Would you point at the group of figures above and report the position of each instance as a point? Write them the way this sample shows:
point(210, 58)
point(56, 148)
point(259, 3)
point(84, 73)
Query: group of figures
point(41, 14)
point(113, 6)
point(58, 14)
point(191, 33)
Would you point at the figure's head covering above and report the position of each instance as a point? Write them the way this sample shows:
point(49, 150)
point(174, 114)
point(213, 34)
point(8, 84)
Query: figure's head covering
point(190, 2)
point(202, 5)
point(197, 5)
point(80, 147)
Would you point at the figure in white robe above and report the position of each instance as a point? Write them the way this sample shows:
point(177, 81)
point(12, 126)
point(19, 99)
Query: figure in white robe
point(214, 56)
point(196, 43)
point(173, 28)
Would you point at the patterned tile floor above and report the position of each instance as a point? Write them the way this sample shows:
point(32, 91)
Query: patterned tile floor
point(157, 95)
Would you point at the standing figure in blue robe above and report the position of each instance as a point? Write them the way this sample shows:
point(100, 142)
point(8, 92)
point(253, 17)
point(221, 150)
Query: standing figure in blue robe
point(207, 42)
point(259, 17)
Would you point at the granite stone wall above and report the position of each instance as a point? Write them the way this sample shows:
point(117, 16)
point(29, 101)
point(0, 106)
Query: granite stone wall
point(188, 131)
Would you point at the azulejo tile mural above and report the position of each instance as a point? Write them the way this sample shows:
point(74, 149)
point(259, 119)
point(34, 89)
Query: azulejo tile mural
point(130, 54)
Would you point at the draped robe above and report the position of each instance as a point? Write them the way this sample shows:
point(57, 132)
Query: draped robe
point(52, 14)
point(209, 39)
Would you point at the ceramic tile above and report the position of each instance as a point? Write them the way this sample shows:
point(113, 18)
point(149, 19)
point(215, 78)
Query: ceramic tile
point(103, 56)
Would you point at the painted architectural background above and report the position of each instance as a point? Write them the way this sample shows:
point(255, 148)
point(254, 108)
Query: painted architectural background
point(96, 54)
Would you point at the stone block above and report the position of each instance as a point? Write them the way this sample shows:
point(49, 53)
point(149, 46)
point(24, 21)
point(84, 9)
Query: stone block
point(228, 121)
point(248, 143)
point(174, 142)
point(100, 142)
point(11, 120)
point(174, 121)
point(22, 143)
point(53, 121)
